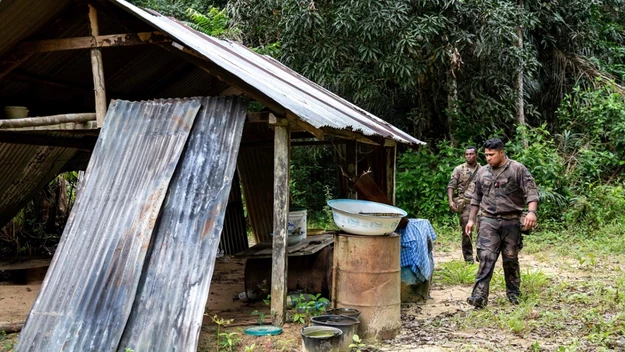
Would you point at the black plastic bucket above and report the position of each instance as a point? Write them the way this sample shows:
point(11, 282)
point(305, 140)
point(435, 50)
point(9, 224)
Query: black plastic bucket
point(321, 339)
point(348, 312)
point(348, 325)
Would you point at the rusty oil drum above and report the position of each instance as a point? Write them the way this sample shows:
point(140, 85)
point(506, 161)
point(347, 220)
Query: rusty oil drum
point(367, 277)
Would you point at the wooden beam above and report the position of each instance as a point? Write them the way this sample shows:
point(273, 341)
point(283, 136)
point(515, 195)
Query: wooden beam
point(297, 121)
point(98, 70)
point(280, 220)
point(231, 91)
point(12, 62)
point(294, 143)
point(46, 120)
point(96, 41)
point(344, 134)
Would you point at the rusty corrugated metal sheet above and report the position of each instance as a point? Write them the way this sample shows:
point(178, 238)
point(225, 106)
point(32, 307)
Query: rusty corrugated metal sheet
point(255, 167)
point(167, 313)
point(311, 102)
point(234, 235)
point(26, 170)
point(87, 295)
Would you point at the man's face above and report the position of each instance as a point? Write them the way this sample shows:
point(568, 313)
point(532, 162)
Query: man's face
point(470, 156)
point(494, 157)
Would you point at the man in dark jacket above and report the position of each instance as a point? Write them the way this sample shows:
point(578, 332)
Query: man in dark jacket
point(502, 190)
point(463, 182)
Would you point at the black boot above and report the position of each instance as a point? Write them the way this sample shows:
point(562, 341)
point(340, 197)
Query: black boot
point(477, 301)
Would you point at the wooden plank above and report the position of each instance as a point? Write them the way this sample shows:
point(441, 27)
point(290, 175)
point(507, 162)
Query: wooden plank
point(46, 120)
point(353, 136)
point(280, 221)
point(97, 68)
point(21, 263)
point(295, 120)
point(308, 246)
point(91, 42)
point(89, 126)
point(231, 91)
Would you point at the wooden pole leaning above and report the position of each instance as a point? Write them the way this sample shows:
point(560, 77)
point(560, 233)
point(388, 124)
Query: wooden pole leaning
point(98, 70)
point(282, 141)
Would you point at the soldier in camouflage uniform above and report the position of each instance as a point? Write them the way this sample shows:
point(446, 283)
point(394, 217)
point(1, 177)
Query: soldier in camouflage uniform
point(463, 180)
point(502, 189)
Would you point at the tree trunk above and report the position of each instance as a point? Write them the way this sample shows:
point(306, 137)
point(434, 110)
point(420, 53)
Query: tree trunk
point(519, 80)
point(452, 104)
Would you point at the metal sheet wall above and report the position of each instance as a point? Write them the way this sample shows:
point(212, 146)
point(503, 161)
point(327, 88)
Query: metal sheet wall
point(87, 295)
point(169, 307)
point(234, 236)
point(26, 170)
point(255, 167)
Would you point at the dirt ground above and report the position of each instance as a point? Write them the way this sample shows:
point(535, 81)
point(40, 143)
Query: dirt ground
point(421, 323)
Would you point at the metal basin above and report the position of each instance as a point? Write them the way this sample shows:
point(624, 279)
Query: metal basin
point(361, 217)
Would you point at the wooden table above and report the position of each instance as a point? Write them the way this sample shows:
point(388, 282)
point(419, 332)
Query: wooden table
point(309, 245)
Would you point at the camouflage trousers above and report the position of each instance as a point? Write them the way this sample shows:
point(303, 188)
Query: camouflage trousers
point(467, 246)
point(498, 236)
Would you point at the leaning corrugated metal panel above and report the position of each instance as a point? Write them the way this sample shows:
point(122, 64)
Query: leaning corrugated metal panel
point(168, 311)
point(26, 170)
point(309, 101)
point(87, 295)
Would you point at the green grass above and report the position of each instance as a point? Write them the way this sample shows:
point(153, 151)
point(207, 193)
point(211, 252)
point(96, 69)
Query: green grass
point(455, 272)
point(579, 309)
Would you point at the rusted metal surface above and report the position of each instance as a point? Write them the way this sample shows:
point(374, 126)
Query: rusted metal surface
point(168, 310)
point(88, 293)
point(19, 19)
point(309, 101)
point(256, 172)
point(367, 277)
point(24, 171)
point(234, 235)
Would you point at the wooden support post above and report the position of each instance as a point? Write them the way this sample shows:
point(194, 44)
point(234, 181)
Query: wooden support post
point(282, 148)
point(98, 70)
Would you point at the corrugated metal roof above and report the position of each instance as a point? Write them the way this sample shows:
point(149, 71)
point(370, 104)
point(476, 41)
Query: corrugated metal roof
point(168, 311)
point(26, 170)
point(87, 295)
point(309, 101)
point(22, 18)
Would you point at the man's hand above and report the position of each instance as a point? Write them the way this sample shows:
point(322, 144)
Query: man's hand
point(468, 228)
point(452, 206)
point(530, 221)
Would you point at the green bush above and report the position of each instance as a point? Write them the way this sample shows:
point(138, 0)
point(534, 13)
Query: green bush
point(422, 178)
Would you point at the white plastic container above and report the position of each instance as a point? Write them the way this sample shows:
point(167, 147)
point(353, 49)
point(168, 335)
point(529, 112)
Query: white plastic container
point(297, 222)
point(16, 112)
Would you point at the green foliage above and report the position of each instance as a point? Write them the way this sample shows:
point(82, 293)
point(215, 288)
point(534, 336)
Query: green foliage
point(357, 344)
point(261, 317)
point(455, 272)
point(214, 23)
point(313, 179)
point(422, 178)
point(225, 341)
point(308, 306)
